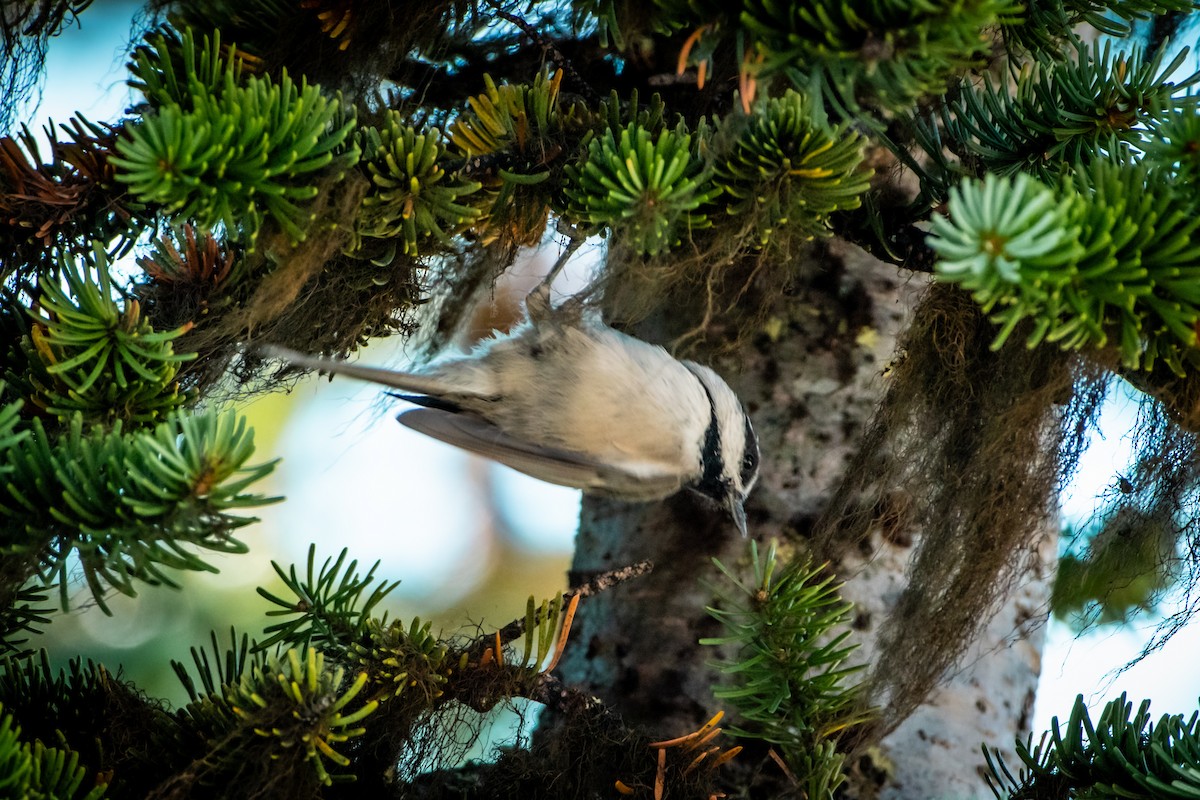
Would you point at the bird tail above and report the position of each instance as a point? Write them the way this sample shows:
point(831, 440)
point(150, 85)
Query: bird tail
point(409, 383)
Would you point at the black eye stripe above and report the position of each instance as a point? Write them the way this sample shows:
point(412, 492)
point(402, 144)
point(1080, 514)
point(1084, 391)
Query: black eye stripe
point(711, 483)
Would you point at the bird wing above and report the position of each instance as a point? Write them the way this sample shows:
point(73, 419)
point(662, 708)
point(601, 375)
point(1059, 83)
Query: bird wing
point(550, 464)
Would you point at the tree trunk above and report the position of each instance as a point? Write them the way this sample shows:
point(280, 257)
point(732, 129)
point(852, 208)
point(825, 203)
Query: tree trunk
point(811, 390)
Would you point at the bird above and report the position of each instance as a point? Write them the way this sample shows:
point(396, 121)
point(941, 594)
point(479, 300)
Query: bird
point(567, 399)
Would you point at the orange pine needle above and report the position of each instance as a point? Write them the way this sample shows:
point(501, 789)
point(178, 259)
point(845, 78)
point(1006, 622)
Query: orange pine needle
point(747, 83)
point(701, 73)
point(696, 762)
point(660, 775)
point(686, 50)
point(564, 633)
point(499, 651)
point(623, 789)
point(486, 658)
point(726, 756)
point(787, 772)
point(704, 729)
point(703, 740)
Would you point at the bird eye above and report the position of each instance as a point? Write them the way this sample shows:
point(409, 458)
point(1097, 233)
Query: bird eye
point(750, 457)
point(749, 466)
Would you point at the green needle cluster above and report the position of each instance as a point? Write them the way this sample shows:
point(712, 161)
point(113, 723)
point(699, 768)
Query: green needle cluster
point(1009, 242)
point(1175, 144)
point(1120, 755)
point(517, 118)
point(647, 189)
point(87, 354)
point(412, 197)
point(1110, 253)
point(895, 50)
point(302, 709)
point(791, 169)
point(407, 662)
point(1090, 101)
point(103, 472)
point(125, 503)
point(785, 631)
point(233, 153)
point(35, 771)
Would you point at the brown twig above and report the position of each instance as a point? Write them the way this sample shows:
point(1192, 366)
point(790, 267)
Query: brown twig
point(600, 583)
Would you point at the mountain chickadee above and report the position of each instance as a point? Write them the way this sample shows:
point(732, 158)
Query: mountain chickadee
point(573, 402)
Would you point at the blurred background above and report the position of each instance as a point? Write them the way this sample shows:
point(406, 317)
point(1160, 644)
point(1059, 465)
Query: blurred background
point(469, 541)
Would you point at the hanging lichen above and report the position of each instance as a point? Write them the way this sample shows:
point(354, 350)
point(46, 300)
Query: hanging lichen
point(967, 451)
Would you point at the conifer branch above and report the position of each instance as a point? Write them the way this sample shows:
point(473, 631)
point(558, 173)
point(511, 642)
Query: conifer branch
point(124, 503)
point(1110, 254)
point(1122, 754)
point(220, 149)
point(784, 671)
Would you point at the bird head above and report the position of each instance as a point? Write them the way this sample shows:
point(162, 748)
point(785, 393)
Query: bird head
point(729, 455)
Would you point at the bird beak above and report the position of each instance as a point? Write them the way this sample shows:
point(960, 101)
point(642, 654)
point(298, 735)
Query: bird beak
point(733, 504)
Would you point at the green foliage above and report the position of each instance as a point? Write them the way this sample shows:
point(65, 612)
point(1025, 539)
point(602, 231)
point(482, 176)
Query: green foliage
point(1120, 573)
point(10, 417)
point(117, 732)
point(787, 167)
point(226, 667)
point(786, 672)
point(231, 153)
point(519, 120)
point(171, 69)
point(1010, 243)
point(289, 706)
point(1141, 271)
point(90, 356)
point(406, 661)
point(329, 609)
point(890, 52)
point(620, 23)
point(669, 16)
point(36, 772)
point(303, 710)
point(651, 115)
point(517, 139)
point(25, 613)
point(419, 671)
point(412, 197)
point(1122, 755)
point(1046, 24)
point(541, 625)
point(124, 503)
point(256, 19)
point(15, 766)
point(647, 190)
point(293, 708)
point(1068, 111)
point(333, 609)
point(1174, 144)
point(325, 34)
point(209, 715)
point(1111, 252)
point(894, 50)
